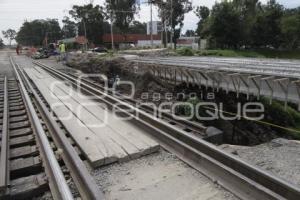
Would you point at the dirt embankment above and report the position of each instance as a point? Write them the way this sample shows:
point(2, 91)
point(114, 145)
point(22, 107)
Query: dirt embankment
point(114, 67)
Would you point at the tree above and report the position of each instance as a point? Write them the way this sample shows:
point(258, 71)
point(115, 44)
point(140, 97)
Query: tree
point(69, 28)
point(225, 25)
point(137, 28)
point(9, 34)
point(189, 33)
point(38, 31)
point(247, 10)
point(266, 30)
point(1, 43)
point(173, 11)
point(93, 18)
point(203, 13)
point(122, 12)
point(290, 29)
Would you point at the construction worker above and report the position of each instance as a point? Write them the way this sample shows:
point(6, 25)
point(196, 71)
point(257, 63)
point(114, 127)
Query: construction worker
point(18, 49)
point(62, 50)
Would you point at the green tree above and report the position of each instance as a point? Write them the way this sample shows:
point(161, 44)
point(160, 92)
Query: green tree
point(266, 30)
point(1, 43)
point(290, 29)
point(173, 12)
point(225, 25)
point(9, 34)
point(247, 10)
point(93, 17)
point(122, 13)
point(69, 28)
point(189, 33)
point(37, 31)
point(137, 28)
point(203, 13)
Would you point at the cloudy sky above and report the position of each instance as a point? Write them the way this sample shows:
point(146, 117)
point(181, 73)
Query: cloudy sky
point(14, 12)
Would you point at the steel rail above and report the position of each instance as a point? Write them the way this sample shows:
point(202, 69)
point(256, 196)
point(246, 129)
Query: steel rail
point(4, 159)
point(241, 178)
point(86, 185)
point(58, 185)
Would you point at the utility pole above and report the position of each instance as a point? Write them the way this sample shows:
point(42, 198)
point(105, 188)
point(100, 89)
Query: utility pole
point(172, 31)
point(151, 24)
point(46, 40)
point(112, 29)
point(85, 35)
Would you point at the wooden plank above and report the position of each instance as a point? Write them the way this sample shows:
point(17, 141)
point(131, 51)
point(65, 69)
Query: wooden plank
point(21, 141)
point(25, 166)
point(134, 134)
point(97, 151)
point(132, 139)
point(110, 145)
point(28, 187)
point(23, 152)
point(21, 132)
point(122, 138)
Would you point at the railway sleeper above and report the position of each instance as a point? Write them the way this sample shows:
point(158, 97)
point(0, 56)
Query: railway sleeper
point(19, 125)
point(27, 187)
point(22, 167)
point(15, 98)
point(17, 113)
point(23, 152)
point(22, 141)
point(19, 133)
point(16, 119)
point(16, 108)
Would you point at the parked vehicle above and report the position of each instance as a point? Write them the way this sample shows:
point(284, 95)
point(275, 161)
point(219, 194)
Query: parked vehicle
point(100, 50)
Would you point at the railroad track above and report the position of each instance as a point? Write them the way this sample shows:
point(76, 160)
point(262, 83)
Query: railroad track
point(36, 155)
point(188, 126)
point(21, 165)
point(242, 179)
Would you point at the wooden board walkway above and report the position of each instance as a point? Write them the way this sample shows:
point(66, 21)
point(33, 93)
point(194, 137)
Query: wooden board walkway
point(103, 137)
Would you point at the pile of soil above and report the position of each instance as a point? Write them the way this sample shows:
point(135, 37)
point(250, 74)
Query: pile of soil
point(280, 157)
point(117, 66)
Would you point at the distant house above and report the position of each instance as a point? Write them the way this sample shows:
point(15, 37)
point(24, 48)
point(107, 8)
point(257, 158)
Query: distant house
point(81, 40)
point(131, 39)
point(192, 42)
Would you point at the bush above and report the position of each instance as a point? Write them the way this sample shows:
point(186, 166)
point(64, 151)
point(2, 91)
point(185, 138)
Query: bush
point(185, 52)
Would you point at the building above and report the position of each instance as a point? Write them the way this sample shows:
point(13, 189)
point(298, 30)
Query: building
point(156, 27)
point(131, 39)
point(81, 40)
point(192, 42)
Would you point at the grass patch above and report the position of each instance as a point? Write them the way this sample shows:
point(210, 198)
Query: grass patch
point(261, 53)
point(230, 53)
point(295, 54)
point(276, 114)
point(185, 51)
